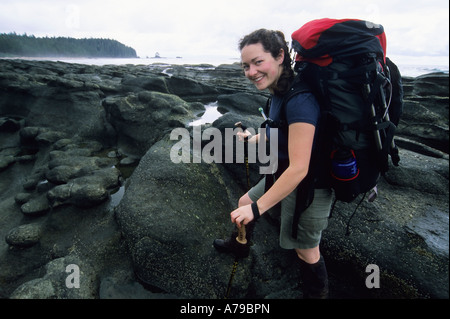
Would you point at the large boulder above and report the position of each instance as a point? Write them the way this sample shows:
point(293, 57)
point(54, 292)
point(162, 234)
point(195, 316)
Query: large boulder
point(169, 217)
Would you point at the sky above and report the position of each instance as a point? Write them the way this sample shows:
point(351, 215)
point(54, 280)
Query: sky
point(213, 28)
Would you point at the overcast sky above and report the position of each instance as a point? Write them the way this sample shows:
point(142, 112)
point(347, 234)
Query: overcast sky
point(213, 28)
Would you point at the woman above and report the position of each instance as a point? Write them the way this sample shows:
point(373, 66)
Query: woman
point(266, 62)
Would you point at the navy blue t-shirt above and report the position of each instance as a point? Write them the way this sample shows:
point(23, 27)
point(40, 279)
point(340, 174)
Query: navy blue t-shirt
point(302, 108)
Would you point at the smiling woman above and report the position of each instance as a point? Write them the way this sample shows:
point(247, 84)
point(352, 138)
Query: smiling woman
point(267, 63)
point(258, 67)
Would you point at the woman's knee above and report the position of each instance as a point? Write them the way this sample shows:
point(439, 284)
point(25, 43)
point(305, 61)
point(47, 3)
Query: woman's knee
point(310, 255)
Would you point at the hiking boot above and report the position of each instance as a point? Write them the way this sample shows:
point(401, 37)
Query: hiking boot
point(315, 279)
point(230, 245)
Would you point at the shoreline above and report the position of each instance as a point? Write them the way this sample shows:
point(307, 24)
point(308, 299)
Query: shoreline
point(410, 68)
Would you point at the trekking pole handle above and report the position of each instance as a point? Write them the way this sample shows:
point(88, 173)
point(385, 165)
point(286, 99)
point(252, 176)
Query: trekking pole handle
point(241, 235)
point(244, 128)
point(240, 125)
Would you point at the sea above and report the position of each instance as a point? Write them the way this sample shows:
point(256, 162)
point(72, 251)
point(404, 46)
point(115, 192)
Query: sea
point(410, 66)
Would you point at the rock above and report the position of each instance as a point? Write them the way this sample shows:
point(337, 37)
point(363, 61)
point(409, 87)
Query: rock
point(189, 89)
point(24, 236)
point(36, 206)
point(86, 191)
point(433, 228)
point(111, 289)
point(128, 161)
point(172, 257)
point(142, 119)
point(146, 83)
point(412, 166)
point(5, 161)
point(434, 84)
point(49, 137)
point(242, 102)
point(22, 198)
point(65, 168)
point(9, 124)
point(425, 116)
point(28, 134)
point(60, 281)
point(35, 289)
point(34, 179)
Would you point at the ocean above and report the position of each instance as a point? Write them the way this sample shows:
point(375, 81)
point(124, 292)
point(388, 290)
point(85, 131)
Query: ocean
point(408, 65)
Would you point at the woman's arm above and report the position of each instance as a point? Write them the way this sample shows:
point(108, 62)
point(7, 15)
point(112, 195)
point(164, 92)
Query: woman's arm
point(301, 136)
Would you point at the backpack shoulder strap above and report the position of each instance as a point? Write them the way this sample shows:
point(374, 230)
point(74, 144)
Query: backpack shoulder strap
point(297, 87)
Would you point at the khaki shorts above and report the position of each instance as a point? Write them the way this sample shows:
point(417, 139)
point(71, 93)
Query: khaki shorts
point(312, 221)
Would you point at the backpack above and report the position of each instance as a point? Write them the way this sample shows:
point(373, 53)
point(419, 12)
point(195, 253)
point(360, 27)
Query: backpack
point(343, 63)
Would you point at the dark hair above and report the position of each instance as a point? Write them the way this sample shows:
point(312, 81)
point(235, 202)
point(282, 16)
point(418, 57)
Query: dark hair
point(273, 42)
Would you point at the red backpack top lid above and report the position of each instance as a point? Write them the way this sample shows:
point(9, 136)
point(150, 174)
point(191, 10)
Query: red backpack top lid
point(318, 41)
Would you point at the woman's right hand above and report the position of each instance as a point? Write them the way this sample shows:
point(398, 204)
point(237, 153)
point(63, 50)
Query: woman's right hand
point(246, 135)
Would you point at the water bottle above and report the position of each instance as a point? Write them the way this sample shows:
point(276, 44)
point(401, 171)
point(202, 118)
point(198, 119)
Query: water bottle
point(343, 165)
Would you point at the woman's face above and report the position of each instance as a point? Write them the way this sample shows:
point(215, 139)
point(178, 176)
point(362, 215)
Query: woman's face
point(261, 67)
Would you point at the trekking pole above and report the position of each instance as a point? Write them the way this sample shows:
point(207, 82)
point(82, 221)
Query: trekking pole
point(242, 240)
point(241, 236)
point(394, 149)
point(241, 126)
point(241, 230)
point(374, 113)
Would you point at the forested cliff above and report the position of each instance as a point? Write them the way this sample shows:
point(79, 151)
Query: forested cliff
point(12, 44)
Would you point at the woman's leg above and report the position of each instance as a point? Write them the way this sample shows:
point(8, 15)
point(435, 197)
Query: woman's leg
point(313, 272)
point(312, 222)
point(310, 255)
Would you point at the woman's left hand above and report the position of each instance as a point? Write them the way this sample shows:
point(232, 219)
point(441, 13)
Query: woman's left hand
point(243, 214)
